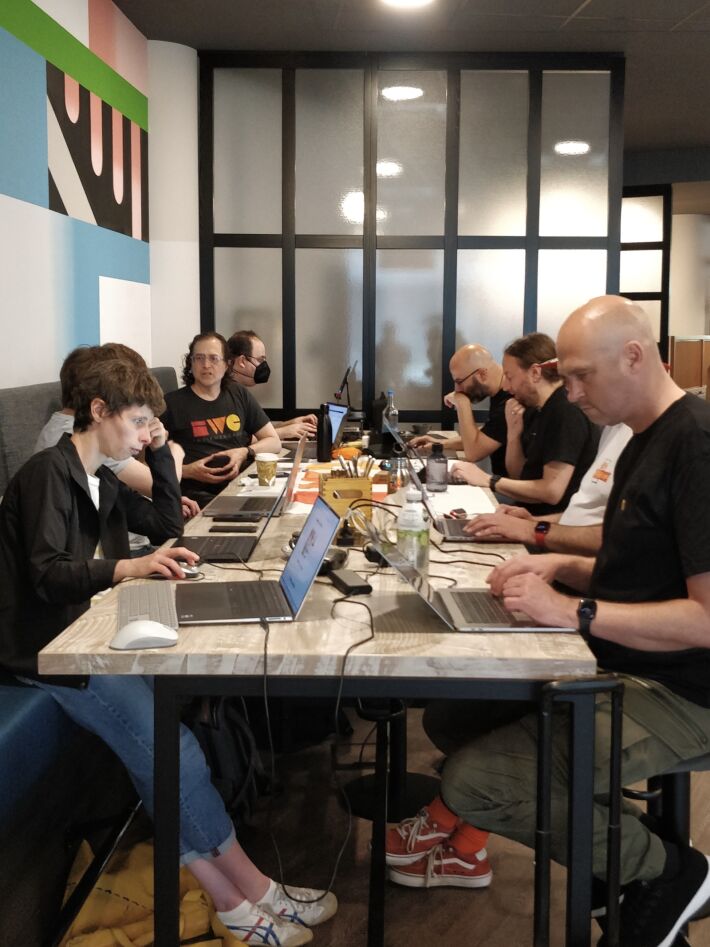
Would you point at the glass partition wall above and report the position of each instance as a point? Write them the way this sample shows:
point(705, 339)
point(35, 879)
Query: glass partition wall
point(386, 209)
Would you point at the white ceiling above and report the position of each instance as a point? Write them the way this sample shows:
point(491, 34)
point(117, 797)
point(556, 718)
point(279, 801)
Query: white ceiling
point(666, 42)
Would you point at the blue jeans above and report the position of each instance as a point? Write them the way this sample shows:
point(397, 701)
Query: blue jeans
point(119, 710)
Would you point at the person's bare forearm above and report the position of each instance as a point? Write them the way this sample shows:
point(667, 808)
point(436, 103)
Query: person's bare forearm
point(469, 431)
point(576, 540)
point(514, 459)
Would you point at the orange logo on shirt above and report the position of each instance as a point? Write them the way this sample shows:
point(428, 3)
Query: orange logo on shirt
point(215, 425)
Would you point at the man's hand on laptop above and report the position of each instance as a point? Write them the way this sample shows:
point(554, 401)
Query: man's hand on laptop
point(305, 424)
point(501, 526)
point(464, 472)
point(531, 594)
point(543, 566)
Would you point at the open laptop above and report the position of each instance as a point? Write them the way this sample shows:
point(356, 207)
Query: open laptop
point(462, 609)
point(286, 497)
point(213, 603)
point(338, 414)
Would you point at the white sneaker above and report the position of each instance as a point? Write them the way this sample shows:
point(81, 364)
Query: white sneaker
point(253, 925)
point(301, 905)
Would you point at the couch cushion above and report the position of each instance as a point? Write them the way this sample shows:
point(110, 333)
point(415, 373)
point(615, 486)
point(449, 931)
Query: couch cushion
point(23, 413)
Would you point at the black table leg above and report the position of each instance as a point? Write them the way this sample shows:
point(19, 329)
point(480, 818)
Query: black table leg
point(580, 820)
point(376, 907)
point(166, 780)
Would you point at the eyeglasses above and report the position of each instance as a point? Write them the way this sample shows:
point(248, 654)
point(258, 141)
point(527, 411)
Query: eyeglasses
point(259, 360)
point(202, 359)
point(460, 381)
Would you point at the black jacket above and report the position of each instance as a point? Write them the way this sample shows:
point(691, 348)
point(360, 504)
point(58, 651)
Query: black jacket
point(49, 531)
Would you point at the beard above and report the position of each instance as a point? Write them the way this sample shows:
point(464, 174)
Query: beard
point(476, 393)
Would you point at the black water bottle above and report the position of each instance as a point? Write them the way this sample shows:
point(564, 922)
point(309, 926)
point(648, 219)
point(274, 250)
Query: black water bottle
point(324, 435)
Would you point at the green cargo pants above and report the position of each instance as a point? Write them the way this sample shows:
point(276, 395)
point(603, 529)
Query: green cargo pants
point(490, 776)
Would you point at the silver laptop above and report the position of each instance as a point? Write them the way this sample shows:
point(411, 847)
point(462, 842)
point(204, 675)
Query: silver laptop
point(286, 498)
point(212, 603)
point(462, 609)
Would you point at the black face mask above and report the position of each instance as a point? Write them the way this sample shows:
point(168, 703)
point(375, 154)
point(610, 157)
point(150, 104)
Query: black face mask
point(262, 373)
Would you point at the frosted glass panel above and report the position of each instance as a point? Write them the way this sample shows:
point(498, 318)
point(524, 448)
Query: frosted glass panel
point(329, 105)
point(247, 151)
point(490, 298)
point(641, 271)
point(411, 148)
point(652, 308)
point(328, 324)
point(641, 219)
point(247, 295)
point(566, 280)
point(493, 163)
point(409, 317)
point(574, 187)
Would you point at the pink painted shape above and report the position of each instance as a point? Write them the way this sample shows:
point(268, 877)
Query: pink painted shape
point(97, 134)
point(117, 149)
point(136, 196)
point(71, 98)
point(116, 40)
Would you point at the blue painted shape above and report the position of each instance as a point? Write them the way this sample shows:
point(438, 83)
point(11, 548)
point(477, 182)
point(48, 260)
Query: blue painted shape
point(23, 122)
point(96, 251)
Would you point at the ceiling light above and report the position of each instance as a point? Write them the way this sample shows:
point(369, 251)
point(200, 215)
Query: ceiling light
point(572, 147)
point(407, 4)
point(388, 169)
point(402, 93)
point(352, 208)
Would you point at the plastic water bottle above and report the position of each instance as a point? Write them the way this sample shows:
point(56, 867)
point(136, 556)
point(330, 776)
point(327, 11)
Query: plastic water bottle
point(391, 412)
point(413, 531)
point(437, 470)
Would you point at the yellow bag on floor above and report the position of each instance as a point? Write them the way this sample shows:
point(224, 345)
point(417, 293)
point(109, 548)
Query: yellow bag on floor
point(119, 910)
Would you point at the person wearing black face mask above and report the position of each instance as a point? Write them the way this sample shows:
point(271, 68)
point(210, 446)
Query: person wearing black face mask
point(250, 368)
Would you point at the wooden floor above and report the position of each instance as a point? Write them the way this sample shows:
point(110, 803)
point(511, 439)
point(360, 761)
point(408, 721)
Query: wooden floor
point(310, 824)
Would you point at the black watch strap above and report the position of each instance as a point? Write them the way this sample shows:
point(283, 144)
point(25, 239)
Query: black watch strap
point(586, 613)
point(493, 482)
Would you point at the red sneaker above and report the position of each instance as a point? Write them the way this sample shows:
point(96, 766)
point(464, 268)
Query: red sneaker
point(412, 838)
point(443, 867)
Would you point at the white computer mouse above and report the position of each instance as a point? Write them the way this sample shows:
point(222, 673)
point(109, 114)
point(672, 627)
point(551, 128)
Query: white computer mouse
point(143, 633)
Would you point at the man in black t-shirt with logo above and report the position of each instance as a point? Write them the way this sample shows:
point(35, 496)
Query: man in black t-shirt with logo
point(549, 442)
point(218, 424)
point(476, 376)
point(644, 611)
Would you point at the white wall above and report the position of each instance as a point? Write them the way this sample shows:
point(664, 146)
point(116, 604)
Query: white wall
point(690, 275)
point(174, 231)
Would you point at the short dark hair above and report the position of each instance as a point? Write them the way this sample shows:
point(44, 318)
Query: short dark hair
point(187, 377)
point(120, 383)
point(535, 348)
point(242, 342)
point(118, 350)
point(72, 369)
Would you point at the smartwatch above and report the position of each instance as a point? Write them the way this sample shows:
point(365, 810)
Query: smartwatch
point(493, 481)
point(541, 530)
point(250, 456)
point(586, 613)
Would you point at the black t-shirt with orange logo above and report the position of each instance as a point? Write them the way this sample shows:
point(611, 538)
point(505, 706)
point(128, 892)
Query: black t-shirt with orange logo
point(204, 427)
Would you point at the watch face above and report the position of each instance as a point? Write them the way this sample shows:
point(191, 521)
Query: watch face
point(542, 527)
point(587, 609)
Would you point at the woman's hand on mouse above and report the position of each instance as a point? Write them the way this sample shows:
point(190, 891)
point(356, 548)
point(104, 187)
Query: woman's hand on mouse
point(163, 561)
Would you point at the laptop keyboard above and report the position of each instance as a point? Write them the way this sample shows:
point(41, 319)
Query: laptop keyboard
point(155, 602)
point(481, 608)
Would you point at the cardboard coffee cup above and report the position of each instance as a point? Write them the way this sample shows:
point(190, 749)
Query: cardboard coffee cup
point(266, 469)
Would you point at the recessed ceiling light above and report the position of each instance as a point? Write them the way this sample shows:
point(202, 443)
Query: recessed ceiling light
point(402, 93)
point(407, 4)
point(388, 169)
point(572, 147)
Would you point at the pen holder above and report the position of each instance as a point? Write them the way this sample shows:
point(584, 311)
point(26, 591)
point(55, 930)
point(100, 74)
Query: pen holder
point(341, 492)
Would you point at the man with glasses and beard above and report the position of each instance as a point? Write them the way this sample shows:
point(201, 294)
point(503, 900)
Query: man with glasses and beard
point(476, 376)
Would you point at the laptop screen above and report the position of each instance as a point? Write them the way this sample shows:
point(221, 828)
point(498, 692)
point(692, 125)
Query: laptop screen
point(308, 553)
point(337, 414)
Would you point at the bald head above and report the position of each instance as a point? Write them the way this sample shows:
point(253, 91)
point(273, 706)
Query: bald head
point(474, 371)
point(610, 361)
point(605, 325)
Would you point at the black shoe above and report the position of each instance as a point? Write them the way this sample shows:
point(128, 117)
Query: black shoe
point(653, 912)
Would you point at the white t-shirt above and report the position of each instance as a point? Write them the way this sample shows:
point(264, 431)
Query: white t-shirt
point(587, 505)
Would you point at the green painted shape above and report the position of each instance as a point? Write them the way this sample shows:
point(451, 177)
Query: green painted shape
point(40, 32)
